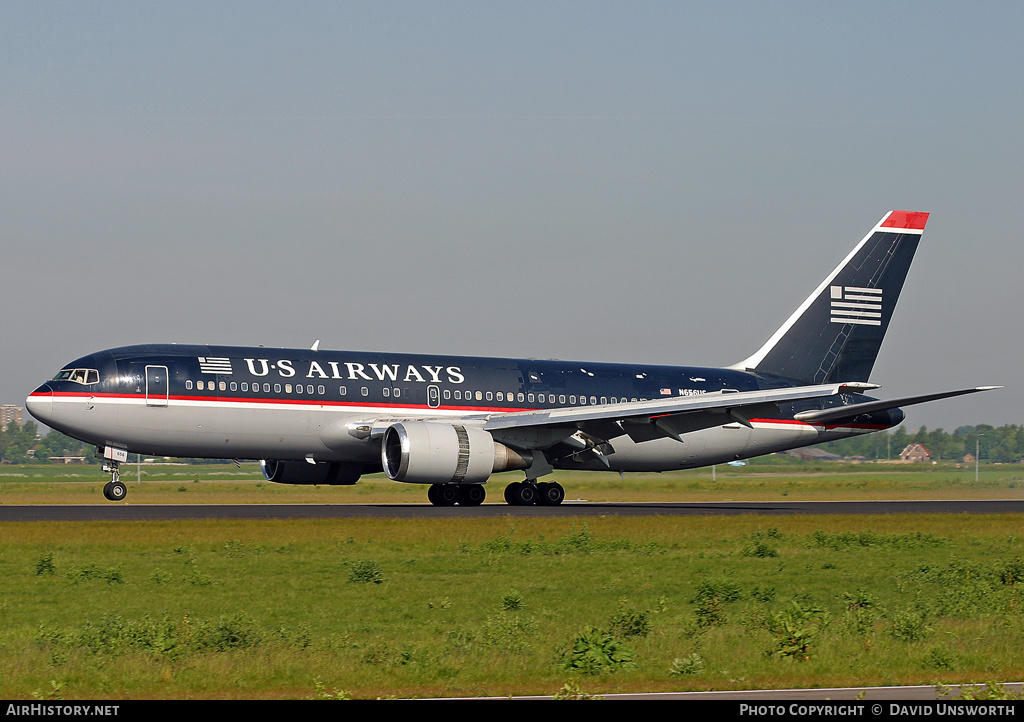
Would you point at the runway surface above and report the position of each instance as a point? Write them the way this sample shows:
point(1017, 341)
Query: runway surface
point(147, 512)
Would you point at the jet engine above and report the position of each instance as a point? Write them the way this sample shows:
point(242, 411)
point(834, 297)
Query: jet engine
point(331, 473)
point(425, 452)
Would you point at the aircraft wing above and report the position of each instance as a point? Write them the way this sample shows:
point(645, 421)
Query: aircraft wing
point(645, 420)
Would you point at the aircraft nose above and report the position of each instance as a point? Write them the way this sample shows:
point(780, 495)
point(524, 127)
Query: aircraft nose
point(40, 403)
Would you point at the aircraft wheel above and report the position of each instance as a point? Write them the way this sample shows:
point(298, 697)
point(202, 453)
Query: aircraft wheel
point(551, 494)
point(521, 494)
point(114, 491)
point(471, 494)
point(443, 494)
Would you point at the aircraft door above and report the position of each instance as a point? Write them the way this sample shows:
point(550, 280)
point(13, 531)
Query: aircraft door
point(433, 396)
point(157, 387)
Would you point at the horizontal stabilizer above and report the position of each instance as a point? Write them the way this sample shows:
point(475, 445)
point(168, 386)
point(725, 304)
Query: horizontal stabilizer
point(844, 412)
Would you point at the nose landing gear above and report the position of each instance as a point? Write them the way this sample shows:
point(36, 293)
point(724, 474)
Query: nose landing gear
point(114, 490)
point(112, 455)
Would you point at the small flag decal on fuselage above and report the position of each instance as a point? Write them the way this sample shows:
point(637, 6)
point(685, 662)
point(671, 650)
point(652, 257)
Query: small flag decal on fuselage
point(210, 365)
point(851, 304)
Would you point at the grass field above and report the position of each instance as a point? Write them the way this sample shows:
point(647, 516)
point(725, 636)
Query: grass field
point(512, 606)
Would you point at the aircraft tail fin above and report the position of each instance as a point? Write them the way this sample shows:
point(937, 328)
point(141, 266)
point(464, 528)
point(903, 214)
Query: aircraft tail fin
point(835, 334)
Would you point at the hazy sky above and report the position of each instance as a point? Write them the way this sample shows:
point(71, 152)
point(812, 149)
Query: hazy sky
point(657, 182)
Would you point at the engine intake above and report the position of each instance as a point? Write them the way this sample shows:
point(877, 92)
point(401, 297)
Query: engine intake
point(426, 452)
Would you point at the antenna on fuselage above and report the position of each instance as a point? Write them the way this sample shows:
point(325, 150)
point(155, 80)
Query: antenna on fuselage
point(315, 346)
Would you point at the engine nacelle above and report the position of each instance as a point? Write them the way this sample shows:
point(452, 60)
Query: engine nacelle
point(425, 452)
point(331, 473)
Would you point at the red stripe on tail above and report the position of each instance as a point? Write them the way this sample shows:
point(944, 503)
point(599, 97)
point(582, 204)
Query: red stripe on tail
point(910, 220)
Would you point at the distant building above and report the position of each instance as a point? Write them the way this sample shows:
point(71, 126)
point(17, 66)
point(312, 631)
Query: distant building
point(67, 459)
point(10, 413)
point(916, 452)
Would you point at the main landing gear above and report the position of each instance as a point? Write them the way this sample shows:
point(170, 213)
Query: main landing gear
point(530, 492)
point(525, 493)
point(519, 493)
point(452, 494)
point(114, 490)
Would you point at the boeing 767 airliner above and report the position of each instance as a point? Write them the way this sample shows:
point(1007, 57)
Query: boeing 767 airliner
point(328, 417)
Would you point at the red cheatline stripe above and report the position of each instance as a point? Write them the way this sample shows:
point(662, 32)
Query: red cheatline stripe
point(229, 400)
point(910, 220)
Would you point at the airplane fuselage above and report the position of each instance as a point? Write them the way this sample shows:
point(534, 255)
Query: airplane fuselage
point(289, 404)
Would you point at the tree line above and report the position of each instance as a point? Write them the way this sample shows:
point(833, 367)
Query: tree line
point(1003, 444)
point(22, 445)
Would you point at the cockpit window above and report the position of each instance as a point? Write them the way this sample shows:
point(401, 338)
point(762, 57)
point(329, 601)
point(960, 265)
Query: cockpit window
point(80, 376)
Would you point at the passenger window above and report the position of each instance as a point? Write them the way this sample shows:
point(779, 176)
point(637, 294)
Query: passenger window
point(447, 394)
point(321, 390)
point(561, 398)
point(387, 392)
point(234, 386)
point(277, 388)
point(223, 386)
point(201, 385)
point(529, 398)
point(266, 388)
point(398, 392)
point(365, 391)
point(342, 390)
point(287, 388)
point(501, 396)
point(479, 396)
point(245, 386)
point(520, 397)
point(489, 395)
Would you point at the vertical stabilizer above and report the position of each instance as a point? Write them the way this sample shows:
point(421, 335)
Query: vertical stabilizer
point(835, 334)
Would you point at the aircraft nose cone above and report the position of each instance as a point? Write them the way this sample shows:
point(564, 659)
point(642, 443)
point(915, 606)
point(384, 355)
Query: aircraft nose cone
point(40, 403)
